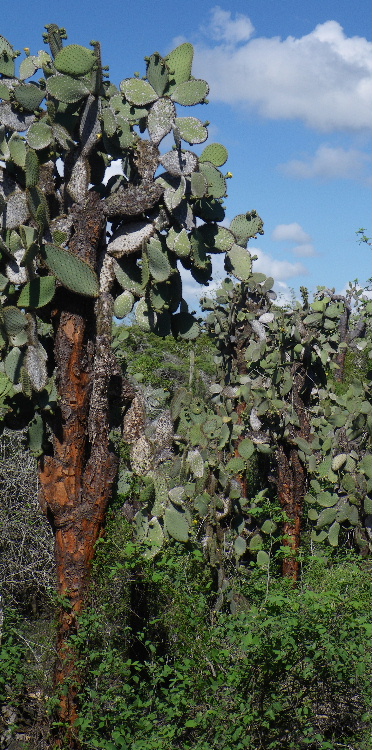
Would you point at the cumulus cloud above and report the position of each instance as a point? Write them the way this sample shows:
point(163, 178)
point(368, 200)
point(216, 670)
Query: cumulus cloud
point(329, 164)
point(292, 232)
point(280, 270)
point(322, 78)
point(224, 28)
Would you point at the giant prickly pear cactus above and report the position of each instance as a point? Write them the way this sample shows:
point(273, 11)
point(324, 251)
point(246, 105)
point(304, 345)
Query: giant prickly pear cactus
point(74, 250)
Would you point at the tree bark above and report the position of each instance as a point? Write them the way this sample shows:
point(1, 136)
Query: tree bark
point(76, 480)
point(292, 475)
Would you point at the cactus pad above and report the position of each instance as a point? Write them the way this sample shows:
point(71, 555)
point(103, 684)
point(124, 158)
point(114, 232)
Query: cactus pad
point(190, 92)
point(215, 153)
point(29, 95)
point(179, 162)
point(17, 149)
point(157, 73)
point(159, 265)
point(246, 226)
point(37, 292)
point(138, 92)
point(66, 89)
point(123, 304)
point(160, 118)
point(185, 325)
point(239, 262)
point(191, 130)
point(74, 60)
point(177, 524)
point(40, 135)
point(179, 62)
point(73, 272)
point(216, 184)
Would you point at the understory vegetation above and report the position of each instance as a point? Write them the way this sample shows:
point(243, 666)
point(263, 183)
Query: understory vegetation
point(173, 656)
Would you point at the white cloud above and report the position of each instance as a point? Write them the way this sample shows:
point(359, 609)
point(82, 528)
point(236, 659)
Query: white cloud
point(292, 232)
point(328, 164)
point(307, 250)
point(280, 270)
point(322, 78)
point(223, 28)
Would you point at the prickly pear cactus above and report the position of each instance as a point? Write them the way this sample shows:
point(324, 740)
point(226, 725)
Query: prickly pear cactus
point(58, 109)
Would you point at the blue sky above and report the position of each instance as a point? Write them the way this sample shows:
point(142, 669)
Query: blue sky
point(290, 98)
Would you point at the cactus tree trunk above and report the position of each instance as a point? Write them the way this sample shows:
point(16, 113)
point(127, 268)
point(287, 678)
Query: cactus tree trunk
point(292, 475)
point(76, 480)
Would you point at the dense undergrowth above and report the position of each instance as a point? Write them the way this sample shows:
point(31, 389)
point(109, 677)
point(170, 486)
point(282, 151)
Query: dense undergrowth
point(169, 665)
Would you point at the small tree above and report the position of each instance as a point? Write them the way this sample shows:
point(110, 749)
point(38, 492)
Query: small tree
point(75, 251)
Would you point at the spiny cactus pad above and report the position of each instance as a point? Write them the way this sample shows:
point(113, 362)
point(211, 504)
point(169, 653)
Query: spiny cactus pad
point(179, 62)
point(159, 265)
point(138, 92)
point(39, 136)
point(123, 304)
point(160, 118)
point(191, 130)
point(29, 95)
point(37, 292)
point(66, 89)
point(73, 272)
point(74, 60)
point(215, 153)
point(190, 92)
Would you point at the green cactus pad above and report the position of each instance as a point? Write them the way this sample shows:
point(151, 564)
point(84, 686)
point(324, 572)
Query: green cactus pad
point(37, 292)
point(185, 325)
point(240, 546)
point(215, 153)
point(7, 56)
point(14, 320)
point(28, 67)
point(208, 209)
point(216, 239)
point(159, 265)
point(31, 168)
point(177, 524)
point(191, 130)
point(198, 184)
point(138, 92)
point(190, 92)
point(73, 272)
point(246, 226)
point(145, 316)
point(123, 304)
point(126, 110)
point(333, 534)
point(129, 276)
point(35, 200)
point(263, 559)
point(157, 73)
point(179, 62)
point(75, 60)
point(5, 92)
point(246, 448)
point(172, 198)
point(327, 499)
point(13, 363)
point(17, 149)
point(109, 121)
point(40, 135)
point(160, 118)
point(179, 242)
point(36, 436)
point(239, 262)
point(29, 95)
point(216, 183)
point(179, 162)
point(66, 89)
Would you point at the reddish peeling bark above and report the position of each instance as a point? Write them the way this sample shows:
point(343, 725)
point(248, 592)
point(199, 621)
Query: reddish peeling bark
point(76, 481)
point(292, 476)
